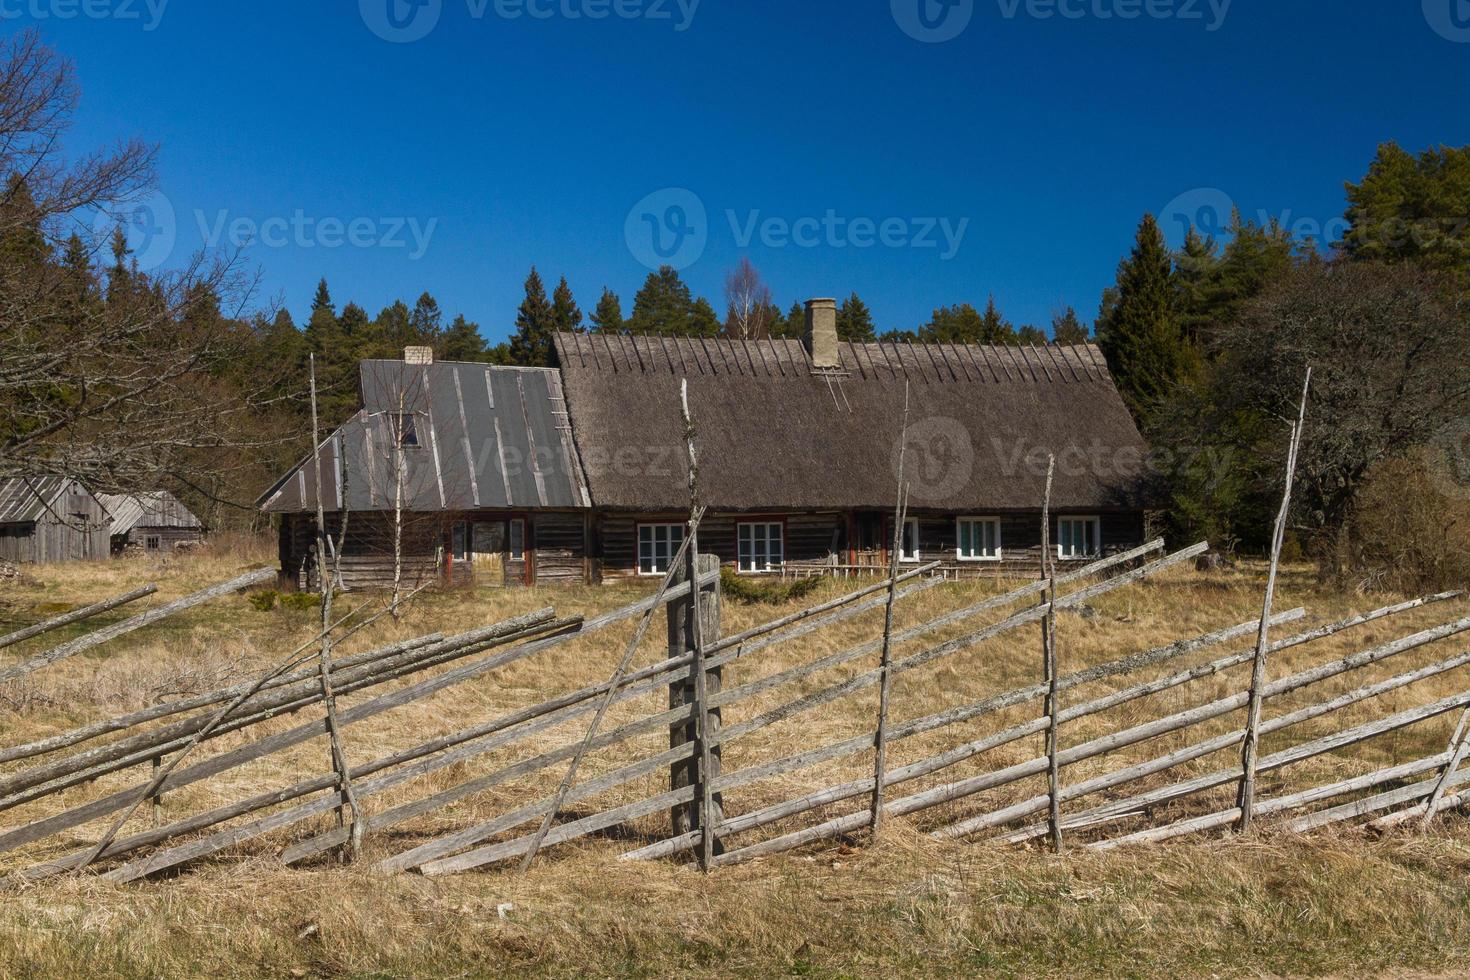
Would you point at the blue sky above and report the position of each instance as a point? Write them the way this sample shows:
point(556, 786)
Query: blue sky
point(1014, 159)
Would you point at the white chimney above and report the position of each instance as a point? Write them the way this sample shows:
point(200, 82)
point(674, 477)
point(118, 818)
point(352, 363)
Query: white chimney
point(821, 333)
point(422, 356)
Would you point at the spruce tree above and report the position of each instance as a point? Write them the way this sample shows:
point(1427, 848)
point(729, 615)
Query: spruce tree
point(608, 317)
point(531, 345)
point(426, 321)
point(703, 320)
point(793, 325)
point(1141, 336)
point(994, 328)
point(565, 313)
point(1067, 328)
point(1196, 276)
point(462, 342)
point(855, 321)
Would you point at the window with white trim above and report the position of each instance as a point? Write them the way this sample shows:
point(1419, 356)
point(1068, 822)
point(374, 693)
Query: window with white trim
point(657, 545)
point(909, 543)
point(978, 539)
point(1079, 537)
point(762, 547)
point(517, 545)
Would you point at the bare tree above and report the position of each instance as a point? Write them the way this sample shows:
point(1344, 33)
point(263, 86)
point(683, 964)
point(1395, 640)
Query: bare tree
point(124, 384)
point(750, 309)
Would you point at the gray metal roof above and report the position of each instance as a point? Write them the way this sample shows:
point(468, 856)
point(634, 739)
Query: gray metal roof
point(485, 438)
point(26, 499)
point(156, 509)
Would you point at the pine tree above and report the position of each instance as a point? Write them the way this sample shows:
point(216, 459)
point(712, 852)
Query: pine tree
point(531, 345)
point(393, 324)
point(703, 320)
point(1030, 335)
point(952, 325)
point(793, 325)
point(608, 317)
point(1141, 336)
point(664, 306)
point(462, 342)
point(1067, 328)
point(855, 321)
point(1412, 209)
point(426, 321)
point(565, 313)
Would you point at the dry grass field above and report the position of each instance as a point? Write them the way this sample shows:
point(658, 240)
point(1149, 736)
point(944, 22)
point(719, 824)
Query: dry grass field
point(1331, 903)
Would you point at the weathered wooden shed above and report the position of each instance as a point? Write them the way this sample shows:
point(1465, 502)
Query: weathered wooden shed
point(151, 522)
point(51, 519)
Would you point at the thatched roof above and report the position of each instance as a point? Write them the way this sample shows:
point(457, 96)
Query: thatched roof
point(776, 433)
point(158, 508)
point(484, 438)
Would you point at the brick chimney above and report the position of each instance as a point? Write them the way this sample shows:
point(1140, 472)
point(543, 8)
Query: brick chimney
point(421, 356)
point(821, 332)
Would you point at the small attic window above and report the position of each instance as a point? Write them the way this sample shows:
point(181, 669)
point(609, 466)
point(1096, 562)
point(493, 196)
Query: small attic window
point(408, 434)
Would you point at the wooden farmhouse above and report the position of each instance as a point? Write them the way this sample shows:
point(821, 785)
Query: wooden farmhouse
point(151, 522)
point(577, 474)
point(51, 519)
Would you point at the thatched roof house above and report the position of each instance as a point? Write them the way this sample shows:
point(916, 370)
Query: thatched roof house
point(799, 441)
point(51, 519)
point(151, 522)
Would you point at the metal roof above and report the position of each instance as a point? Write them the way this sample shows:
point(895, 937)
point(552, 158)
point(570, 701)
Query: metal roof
point(483, 437)
point(156, 509)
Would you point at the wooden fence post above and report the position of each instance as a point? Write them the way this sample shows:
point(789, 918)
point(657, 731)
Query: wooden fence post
point(157, 797)
point(1459, 743)
point(900, 517)
point(686, 817)
point(1049, 668)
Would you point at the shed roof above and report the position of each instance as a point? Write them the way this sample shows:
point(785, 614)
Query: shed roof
point(24, 500)
point(483, 437)
point(158, 508)
point(777, 433)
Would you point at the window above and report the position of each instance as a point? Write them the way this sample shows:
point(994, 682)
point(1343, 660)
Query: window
point(657, 545)
point(762, 547)
point(979, 539)
point(1079, 537)
point(909, 548)
point(408, 434)
point(517, 540)
point(460, 543)
point(151, 543)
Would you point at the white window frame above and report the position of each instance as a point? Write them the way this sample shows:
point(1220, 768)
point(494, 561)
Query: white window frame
point(959, 538)
point(656, 529)
point(917, 556)
point(1063, 544)
point(773, 535)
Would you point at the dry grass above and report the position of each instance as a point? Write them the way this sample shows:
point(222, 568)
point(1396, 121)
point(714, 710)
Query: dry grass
point(1272, 904)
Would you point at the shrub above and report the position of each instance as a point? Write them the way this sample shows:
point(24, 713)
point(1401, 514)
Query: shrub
point(265, 600)
point(301, 601)
point(1410, 529)
point(762, 592)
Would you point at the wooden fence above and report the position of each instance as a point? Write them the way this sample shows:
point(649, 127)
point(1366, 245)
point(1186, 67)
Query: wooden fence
point(683, 780)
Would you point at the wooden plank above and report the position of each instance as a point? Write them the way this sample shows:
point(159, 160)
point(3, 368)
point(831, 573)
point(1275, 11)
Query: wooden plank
point(76, 616)
point(127, 626)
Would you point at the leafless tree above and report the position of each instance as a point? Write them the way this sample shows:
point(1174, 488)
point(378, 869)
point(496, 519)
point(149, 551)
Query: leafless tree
point(750, 307)
point(123, 384)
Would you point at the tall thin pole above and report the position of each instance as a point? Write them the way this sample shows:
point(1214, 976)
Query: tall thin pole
point(1049, 668)
point(900, 517)
point(696, 628)
point(349, 805)
point(1250, 749)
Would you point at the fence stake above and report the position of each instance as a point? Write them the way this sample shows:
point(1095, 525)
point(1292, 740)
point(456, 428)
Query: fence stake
point(157, 797)
point(1459, 743)
point(900, 517)
point(1052, 676)
point(1250, 750)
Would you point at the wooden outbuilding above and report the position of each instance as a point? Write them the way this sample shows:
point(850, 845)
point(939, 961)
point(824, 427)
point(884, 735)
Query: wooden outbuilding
point(51, 519)
point(151, 523)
